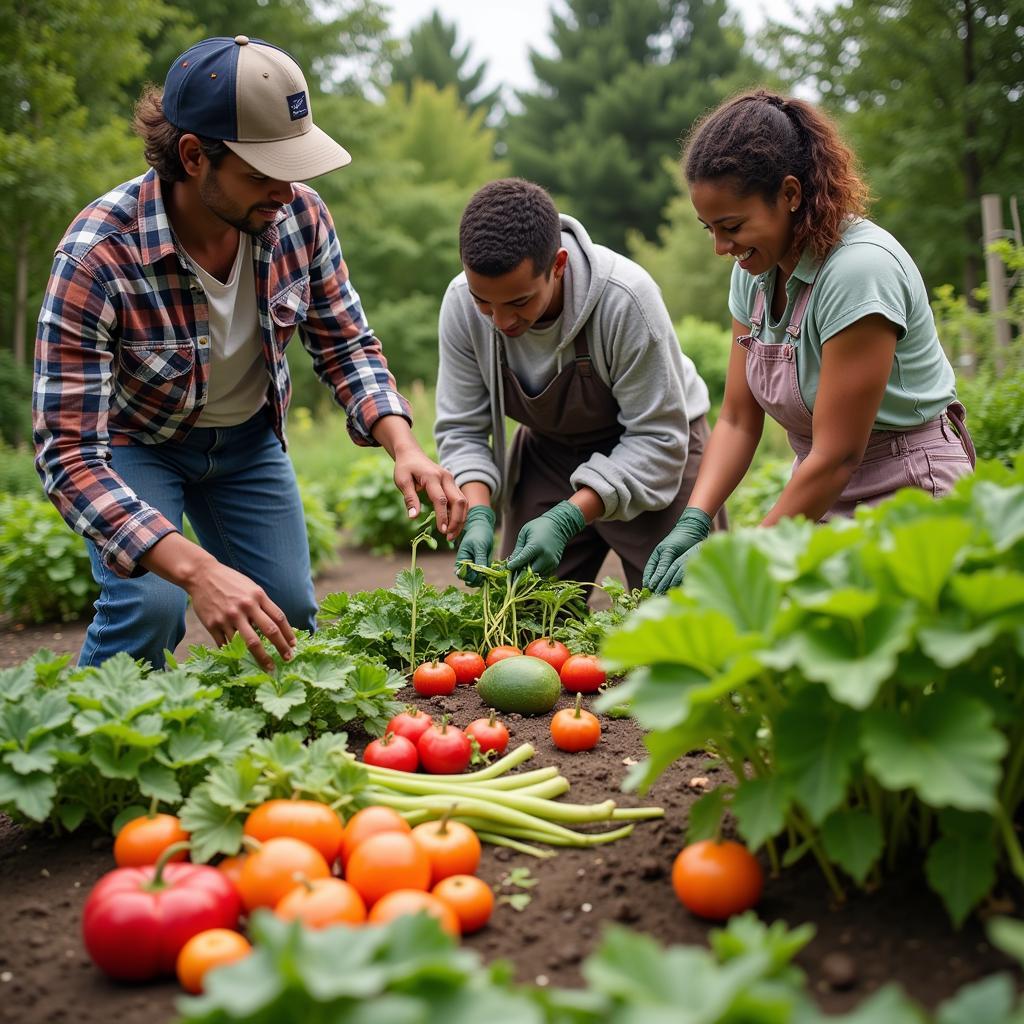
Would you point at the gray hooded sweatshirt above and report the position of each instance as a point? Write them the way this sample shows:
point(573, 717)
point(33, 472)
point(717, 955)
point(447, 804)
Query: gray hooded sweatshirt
point(635, 352)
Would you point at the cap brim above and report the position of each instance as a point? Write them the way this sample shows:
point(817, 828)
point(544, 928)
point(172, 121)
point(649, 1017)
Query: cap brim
point(306, 156)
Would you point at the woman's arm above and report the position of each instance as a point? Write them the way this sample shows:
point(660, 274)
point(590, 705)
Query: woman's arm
point(855, 368)
point(734, 438)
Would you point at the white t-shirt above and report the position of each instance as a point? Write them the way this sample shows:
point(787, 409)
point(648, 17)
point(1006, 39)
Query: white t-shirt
point(238, 373)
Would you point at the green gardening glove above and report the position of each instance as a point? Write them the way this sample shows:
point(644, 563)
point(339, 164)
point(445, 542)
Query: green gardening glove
point(667, 564)
point(475, 544)
point(541, 542)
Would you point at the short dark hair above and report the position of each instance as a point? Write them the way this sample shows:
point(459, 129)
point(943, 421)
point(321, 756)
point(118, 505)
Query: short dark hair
point(506, 222)
point(758, 138)
point(160, 138)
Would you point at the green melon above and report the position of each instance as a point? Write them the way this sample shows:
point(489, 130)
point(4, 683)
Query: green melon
point(522, 684)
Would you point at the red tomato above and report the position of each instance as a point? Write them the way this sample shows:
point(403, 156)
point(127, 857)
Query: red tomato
point(717, 880)
point(392, 751)
point(212, 948)
point(468, 666)
point(411, 723)
point(554, 652)
point(574, 729)
point(136, 920)
point(433, 678)
point(143, 839)
point(309, 820)
point(499, 653)
point(489, 733)
point(444, 749)
point(582, 673)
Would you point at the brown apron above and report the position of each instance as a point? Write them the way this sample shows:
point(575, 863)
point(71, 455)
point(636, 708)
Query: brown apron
point(573, 417)
point(933, 456)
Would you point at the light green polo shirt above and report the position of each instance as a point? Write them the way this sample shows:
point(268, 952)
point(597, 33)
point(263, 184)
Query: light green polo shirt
point(867, 272)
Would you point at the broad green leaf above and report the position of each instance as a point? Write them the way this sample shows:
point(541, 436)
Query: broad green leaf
point(816, 744)
point(157, 781)
point(146, 731)
point(190, 745)
point(845, 603)
point(961, 869)
point(784, 544)
point(326, 673)
point(212, 828)
point(924, 554)
point(667, 746)
point(663, 695)
point(32, 795)
point(988, 592)
point(760, 808)
point(50, 711)
point(277, 698)
point(1002, 511)
point(71, 815)
point(853, 840)
point(946, 749)
point(41, 758)
point(115, 761)
point(952, 640)
point(706, 815)
point(747, 933)
point(731, 576)
point(852, 659)
point(236, 786)
point(1007, 934)
point(989, 1001)
point(889, 1005)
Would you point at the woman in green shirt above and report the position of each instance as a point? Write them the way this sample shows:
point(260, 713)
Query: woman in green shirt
point(835, 338)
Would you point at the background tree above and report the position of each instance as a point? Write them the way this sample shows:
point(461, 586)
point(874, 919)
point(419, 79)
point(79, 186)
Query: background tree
point(431, 54)
point(626, 81)
point(929, 93)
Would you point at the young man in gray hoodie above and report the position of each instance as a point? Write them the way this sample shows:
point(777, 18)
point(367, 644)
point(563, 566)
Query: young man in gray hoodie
point(573, 342)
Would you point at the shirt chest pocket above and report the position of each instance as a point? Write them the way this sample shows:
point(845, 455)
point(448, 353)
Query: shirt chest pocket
point(288, 309)
point(161, 376)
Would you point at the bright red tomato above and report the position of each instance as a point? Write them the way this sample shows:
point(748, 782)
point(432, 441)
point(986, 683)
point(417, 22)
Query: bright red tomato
point(392, 751)
point(501, 652)
point(717, 880)
point(444, 749)
point(489, 733)
point(468, 666)
point(433, 678)
point(554, 652)
point(582, 673)
point(411, 723)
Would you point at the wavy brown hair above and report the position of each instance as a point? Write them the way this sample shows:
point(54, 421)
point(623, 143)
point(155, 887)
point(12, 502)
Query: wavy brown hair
point(758, 138)
point(160, 138)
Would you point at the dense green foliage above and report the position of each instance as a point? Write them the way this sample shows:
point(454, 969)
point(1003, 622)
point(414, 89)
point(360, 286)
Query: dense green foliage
point(861, 679)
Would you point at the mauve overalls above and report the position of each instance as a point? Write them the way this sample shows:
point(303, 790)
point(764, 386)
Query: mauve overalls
point(573, 417)
point(933, 456)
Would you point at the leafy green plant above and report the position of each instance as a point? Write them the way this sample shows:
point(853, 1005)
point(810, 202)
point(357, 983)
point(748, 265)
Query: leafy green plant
point(759, 491)
point(44, 568)
point(995, 413)
point(17, 471)
point(861, 680)
point(321, 527)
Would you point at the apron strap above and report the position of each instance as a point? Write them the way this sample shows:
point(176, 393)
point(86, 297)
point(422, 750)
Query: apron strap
point(584, 365)
point(799, 308)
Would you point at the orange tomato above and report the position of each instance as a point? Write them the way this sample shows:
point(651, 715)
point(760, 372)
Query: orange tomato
point(322, 903)
point(470, 897)
point(213, 948)
point(368, 822)
point(385, 862)
point(451, 847)
point(413, 901)
point(500, 653)
point(574, 729)
point(143, 839)
point(232, 867)
point(717, 880)
point(312, 822)
point(269, 874)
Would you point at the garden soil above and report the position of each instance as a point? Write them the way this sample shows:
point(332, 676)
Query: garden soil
point(899, 933)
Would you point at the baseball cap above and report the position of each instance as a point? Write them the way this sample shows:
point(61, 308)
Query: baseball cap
point(252, 96)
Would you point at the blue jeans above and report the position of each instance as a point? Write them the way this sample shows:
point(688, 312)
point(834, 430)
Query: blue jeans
point(238, 489)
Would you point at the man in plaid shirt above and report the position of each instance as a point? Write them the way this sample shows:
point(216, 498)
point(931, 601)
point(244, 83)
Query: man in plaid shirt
point(161, 382)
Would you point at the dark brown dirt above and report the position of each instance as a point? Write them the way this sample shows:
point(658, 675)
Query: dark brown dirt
point(899, 933)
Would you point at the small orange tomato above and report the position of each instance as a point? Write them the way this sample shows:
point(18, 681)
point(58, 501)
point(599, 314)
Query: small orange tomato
point(500, 653)
point(385, 862)
point(232, 867)
point(270, 873)
point(412, 901)
point(470, 897)
point(574, 729)
point(309, 820)
point(322, 903)
point(368, 822)
point(717, 880)
point(213, 948)
point(451, 847)
point(143, 839)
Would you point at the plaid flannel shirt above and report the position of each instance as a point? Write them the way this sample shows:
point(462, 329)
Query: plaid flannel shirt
point(123, 350)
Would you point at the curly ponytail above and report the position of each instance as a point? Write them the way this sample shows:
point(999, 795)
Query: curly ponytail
point(760, 137)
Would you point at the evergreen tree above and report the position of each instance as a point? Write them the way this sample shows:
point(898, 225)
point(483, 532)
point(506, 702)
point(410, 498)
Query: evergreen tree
point(930, 96)
point(626, 82)
point(431, 55)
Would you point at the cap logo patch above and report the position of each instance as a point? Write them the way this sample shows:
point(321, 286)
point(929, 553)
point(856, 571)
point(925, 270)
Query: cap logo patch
point(297, 106)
